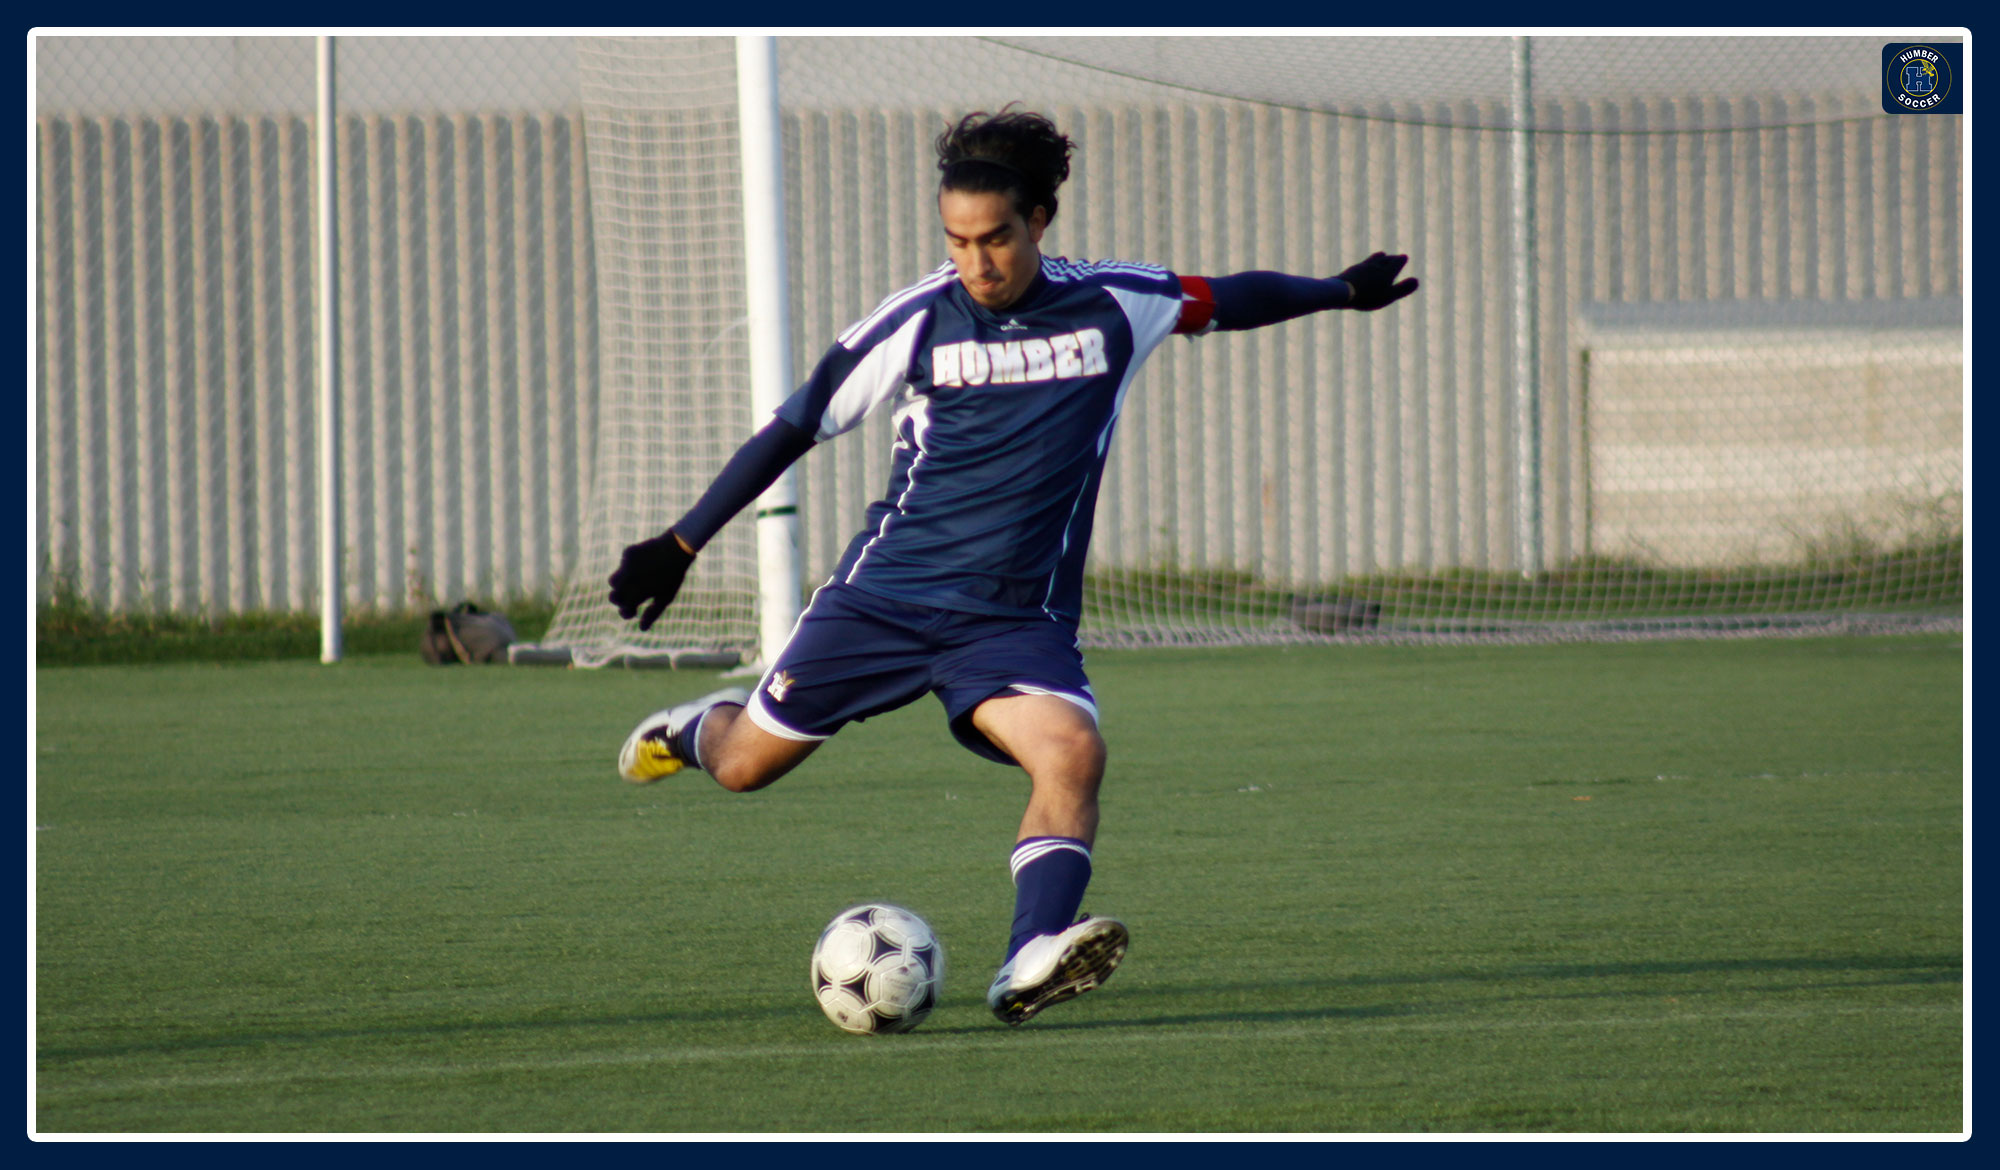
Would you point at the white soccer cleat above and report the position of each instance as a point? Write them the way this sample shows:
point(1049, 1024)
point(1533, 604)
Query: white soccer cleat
point(649, 755)
point(1051, 968)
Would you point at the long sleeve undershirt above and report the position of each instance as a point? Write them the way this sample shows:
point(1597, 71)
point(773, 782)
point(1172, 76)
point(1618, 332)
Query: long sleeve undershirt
point(1251, 300)
point(756, 465)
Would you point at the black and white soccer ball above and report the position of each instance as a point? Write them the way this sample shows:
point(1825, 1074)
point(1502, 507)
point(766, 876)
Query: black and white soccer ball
point(877, 968)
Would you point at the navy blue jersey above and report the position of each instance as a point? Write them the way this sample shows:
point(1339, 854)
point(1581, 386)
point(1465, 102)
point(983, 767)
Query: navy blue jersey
point(1002, 425)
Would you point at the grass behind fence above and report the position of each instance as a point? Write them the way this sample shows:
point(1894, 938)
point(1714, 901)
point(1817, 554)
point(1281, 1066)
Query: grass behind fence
point(73, 632)
point(1696, 886)
point(1919, 578)
point(1927, 577)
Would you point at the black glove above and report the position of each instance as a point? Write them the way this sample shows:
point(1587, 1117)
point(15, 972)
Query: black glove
point(1374, 282)
point(650, 569)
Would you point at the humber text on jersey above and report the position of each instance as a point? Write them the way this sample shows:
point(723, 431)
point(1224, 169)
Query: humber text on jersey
point(1033, 359)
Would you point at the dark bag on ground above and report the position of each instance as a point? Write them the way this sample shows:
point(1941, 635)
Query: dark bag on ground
point(465, 633)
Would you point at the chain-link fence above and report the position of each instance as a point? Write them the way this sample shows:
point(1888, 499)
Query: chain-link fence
point(1743, 341)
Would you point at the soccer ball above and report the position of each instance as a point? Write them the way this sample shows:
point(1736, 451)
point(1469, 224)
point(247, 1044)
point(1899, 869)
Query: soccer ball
point(877, 968)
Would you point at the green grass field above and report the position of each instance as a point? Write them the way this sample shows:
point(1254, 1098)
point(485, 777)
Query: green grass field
point(1683, 886)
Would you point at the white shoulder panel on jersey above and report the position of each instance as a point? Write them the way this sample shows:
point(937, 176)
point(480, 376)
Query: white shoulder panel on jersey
point(1153, 318)
point(874, 380)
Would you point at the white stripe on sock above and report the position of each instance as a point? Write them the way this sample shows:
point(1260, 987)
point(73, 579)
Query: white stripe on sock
point(1029, 851)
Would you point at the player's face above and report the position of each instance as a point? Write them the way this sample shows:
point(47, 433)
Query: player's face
point(995, 250)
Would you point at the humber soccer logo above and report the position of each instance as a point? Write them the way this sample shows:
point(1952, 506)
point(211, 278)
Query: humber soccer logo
point(1920, 79)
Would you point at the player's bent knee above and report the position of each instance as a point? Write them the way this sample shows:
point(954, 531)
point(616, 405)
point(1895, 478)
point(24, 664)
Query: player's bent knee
point(1072, 759)
point(1083, 751)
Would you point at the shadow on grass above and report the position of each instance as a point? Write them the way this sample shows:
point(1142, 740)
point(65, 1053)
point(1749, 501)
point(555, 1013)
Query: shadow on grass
point(1893, 971)
point(1935, 963)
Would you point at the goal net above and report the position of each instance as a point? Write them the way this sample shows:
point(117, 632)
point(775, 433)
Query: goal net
point(1689, 357)
point(661, 134)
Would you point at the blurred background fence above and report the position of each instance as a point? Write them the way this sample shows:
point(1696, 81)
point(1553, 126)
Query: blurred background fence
point(1746, 295)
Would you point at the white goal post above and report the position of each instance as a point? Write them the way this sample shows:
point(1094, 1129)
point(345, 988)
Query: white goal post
point(769, 296)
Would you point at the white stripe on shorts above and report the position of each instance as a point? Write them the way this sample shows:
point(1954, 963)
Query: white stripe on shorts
point(1079, 700)
point(762, 717)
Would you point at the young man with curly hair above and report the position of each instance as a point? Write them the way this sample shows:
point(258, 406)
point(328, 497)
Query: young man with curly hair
point(1006, 369)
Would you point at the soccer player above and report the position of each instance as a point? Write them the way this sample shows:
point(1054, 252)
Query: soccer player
point(1006, 369)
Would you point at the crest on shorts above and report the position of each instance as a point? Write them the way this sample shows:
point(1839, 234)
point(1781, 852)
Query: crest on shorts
point(1921, 79)
point(781, 683)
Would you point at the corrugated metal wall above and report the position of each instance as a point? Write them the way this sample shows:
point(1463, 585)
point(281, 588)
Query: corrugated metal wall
point(470, 330)
point(175, 429)
point(174, 283)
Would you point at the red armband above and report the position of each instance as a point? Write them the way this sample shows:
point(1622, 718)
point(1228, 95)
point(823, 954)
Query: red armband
point(1197, 306)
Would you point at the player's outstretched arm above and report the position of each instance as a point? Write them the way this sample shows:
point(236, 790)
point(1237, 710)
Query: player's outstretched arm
point(650, 573)
point(1251, 300)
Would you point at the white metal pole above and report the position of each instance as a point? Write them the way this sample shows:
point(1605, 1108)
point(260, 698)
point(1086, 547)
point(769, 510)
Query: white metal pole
point(770, 329)
point(1527, 392)
point(330, 588)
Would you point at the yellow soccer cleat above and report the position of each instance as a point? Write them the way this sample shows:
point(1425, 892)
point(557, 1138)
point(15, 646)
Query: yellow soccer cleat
point(649, 754)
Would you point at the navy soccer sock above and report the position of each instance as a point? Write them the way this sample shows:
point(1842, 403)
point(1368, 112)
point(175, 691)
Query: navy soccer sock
point(686, 744)
point(1050, 874)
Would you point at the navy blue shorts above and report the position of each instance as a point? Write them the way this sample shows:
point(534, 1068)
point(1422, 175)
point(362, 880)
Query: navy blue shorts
point(855, 654)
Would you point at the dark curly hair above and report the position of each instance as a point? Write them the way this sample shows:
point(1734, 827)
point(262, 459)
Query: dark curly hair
point(1015, 151)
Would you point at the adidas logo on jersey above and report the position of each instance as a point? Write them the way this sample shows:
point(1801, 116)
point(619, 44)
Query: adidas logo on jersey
point(1032, 359)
